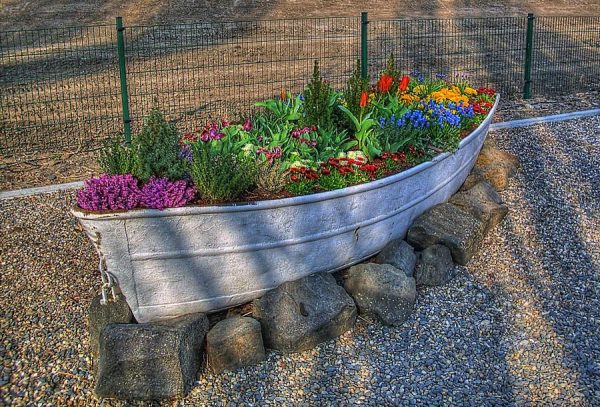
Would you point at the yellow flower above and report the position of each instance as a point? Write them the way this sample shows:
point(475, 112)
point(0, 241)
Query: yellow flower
point(470, 91)
point(353, 155)
point(419, 89)
point(408, 99)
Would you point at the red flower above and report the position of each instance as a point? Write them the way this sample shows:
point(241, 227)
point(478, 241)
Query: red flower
point(294, 178)
point(486, 91)
point(368, 167)
point(334, 162)
point(404, 83)
point(325, 171)
point(364, 97)
point(385, 83)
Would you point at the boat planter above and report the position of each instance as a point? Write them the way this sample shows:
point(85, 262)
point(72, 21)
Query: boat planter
point(205, 258)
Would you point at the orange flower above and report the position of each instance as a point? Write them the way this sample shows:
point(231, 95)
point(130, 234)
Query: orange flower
point(404, 83)
point(283, 94)
point(363, 99)
point(385, 83)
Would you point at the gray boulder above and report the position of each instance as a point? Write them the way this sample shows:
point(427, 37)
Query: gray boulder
point(382, 291)
point(101, 315)
point(399, 254)
point(483, 202)
point(233, 343)
point(150, 361)
point(300, 314)
point(451, 226)
point(434, 266)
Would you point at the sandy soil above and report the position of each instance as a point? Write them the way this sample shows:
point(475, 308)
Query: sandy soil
point(24, 14)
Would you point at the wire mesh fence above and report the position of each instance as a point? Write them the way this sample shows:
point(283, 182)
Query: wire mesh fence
point(60, 87)
point(487, 51)
point(197, 71)
point(566, 55)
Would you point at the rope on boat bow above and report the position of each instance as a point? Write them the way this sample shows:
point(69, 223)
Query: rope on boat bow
point(108, 281)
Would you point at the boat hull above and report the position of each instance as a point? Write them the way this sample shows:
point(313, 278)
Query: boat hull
point(202, 259)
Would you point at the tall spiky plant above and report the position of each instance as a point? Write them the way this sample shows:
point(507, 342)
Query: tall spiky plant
point(157, 149)
point(318, 103)
point(355, 86)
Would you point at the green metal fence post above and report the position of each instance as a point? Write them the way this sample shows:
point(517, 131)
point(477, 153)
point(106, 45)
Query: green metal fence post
point(364, 50)
point(123, 76)
point(528, 57)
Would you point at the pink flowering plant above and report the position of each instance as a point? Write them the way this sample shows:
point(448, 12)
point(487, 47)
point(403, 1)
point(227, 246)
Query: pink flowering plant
point(161, 193)
point(110, 192)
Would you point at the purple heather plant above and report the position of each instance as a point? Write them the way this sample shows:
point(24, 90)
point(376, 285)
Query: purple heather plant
point(109, 192)
point(161, 193)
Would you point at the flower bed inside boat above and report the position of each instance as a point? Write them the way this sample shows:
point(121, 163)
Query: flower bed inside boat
point(409, 145)
point(319, 140)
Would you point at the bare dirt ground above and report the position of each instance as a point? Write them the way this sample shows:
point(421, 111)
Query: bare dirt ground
point(27, 14)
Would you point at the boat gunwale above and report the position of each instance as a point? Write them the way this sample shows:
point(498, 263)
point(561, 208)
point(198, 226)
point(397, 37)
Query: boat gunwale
point(285, 202)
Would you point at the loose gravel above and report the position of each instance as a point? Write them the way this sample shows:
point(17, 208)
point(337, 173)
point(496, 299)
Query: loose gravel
point(518, 326)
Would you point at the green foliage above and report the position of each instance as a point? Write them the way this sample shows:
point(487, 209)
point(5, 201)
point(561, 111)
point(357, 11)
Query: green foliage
point(332, 181)
point(288, 109)
point(444, 137)
point(356, 177)
point(116, 157)
point(389, 106)
point(331, 142)
point(157, 149)
point(393, 138)
point(320, 100)
point(301, 187)
point(270, 177)
point(355, 86)
point(365, 136)
point(220, 176)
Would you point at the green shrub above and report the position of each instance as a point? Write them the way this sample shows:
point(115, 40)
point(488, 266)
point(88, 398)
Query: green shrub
point(116, 158)
point(354, 88)
point(319, 101)
point(157, 149)
point(220, 176)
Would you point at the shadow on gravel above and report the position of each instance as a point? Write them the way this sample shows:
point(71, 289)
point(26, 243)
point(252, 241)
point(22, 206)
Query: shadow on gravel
point(567, 290)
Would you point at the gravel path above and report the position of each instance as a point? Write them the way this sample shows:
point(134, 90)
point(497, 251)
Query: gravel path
point(519, 325)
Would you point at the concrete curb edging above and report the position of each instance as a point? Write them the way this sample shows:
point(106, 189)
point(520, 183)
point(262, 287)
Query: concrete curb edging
point(17, 193)
point(544, 119)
